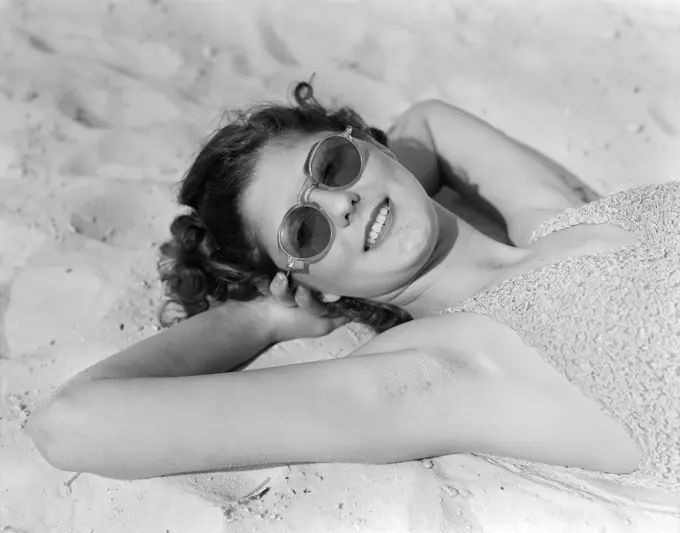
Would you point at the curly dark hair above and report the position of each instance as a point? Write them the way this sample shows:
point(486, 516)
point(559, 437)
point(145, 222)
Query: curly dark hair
point(213, 256)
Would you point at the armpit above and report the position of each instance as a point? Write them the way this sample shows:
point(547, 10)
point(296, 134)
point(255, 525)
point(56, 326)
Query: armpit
point(421, 375)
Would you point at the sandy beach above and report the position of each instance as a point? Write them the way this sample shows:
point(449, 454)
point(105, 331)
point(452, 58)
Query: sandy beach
point(103, 104)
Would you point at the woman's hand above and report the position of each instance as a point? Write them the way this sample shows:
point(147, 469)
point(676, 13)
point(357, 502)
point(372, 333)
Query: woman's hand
point(297, 315)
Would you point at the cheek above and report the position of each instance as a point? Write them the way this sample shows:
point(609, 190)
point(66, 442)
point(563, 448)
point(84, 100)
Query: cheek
point(338, 260)
point(415, 236)
point(270, 248)
point(416, 222)
point(332, 268)
point(345, 268)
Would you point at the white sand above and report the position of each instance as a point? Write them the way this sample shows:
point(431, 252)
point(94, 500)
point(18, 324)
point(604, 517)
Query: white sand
point(102, 105)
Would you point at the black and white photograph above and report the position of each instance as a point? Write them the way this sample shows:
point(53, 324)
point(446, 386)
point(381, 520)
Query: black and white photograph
point(333, 266)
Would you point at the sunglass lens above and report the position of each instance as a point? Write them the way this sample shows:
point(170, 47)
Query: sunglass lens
point(306, 232)
point(337, 162)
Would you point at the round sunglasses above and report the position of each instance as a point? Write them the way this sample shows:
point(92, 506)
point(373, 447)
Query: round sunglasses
point(307, 232)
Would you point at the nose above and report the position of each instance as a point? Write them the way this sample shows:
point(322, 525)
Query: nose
point(338, 205)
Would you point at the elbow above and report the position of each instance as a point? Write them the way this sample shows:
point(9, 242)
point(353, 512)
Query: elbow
point(430, 107)
point(67, 437)
point(438, 111)
point(420, 113)
point(60, 432)
point(47, 427)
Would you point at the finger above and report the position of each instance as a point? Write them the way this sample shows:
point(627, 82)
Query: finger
point(263, 287)
point(281, 292)
point(340, 321)
point(306, 300)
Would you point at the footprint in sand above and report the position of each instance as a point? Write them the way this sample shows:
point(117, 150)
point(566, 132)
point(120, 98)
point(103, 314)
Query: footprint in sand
point(375, 57)
point(152, 58)
point(240, 62)
point(39, 44)
point(4, 303)
point(17, 243)
point(88, 110)
point(371, 60)
point(154, 153)
point(140, 105)
point(277, 47)
point(131, 102)
point(49, 367)
point(10, 166)
point(129, 214)
point(56, 301)
point(670, 126)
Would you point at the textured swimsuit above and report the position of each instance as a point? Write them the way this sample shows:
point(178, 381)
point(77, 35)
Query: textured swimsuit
point(610, 323)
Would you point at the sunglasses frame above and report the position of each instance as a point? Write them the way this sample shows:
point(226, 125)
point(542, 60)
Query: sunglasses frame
point(308, 186)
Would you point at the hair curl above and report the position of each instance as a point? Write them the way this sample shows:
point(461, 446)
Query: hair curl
point(213, 256)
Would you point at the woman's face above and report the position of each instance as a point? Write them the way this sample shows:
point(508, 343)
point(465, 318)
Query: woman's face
point(347, 269)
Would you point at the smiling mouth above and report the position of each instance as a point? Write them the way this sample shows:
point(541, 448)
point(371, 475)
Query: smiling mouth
point(376, 224)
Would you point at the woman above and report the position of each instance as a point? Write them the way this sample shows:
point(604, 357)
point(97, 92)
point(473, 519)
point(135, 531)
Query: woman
point(590, 290)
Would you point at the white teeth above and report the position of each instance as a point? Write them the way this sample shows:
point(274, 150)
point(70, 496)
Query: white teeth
point(378, 225)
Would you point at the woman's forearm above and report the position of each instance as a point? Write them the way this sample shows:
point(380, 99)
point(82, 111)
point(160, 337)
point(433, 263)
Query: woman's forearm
point(217, 340)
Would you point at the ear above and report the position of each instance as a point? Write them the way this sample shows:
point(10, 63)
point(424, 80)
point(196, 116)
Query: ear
point(328, 298)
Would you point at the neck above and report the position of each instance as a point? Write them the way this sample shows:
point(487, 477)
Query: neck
point(463, 263)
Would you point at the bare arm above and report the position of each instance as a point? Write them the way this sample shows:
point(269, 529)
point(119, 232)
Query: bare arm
point(222, 339)
point(355, 409)
point(381, 407)
point(215, 341)
point(160, 407)
point(442, 144)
